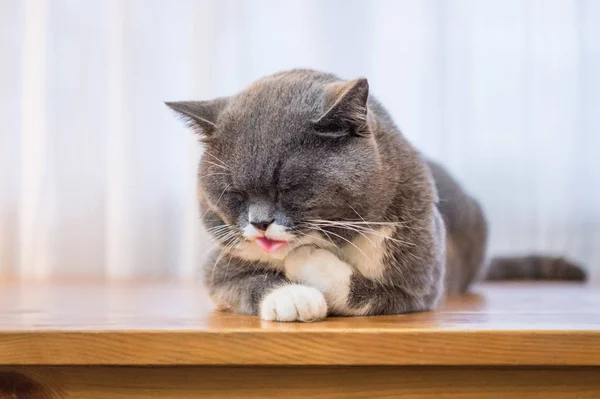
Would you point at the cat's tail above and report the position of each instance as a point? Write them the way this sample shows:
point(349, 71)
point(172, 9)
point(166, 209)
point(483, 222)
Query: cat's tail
point(535, 267)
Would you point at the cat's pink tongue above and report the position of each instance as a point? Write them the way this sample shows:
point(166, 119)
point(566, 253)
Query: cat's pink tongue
point(268, 245)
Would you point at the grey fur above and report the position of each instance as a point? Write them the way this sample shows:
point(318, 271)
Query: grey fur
point(301, 145)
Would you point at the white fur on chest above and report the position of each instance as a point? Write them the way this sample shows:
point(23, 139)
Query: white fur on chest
point(367, 252)
point(331, 272)
point(324, 271)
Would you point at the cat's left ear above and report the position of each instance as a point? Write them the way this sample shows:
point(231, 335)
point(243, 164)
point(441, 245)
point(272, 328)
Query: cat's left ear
point(345, 109)
point(201, 115)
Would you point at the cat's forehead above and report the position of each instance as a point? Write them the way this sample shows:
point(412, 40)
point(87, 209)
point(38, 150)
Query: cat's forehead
point(277, 99)
point(272, 122)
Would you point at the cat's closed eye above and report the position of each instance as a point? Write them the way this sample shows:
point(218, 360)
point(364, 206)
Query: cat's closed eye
point(289, 188)
point(235, 198)
point(294, 192)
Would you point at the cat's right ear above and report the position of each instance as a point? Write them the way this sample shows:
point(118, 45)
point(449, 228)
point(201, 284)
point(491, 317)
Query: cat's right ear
point(200, 115)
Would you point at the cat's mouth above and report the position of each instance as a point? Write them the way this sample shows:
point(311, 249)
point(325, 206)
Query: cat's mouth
point(268, 245)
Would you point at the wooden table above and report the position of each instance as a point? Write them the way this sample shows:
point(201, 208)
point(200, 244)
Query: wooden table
point(163, 340)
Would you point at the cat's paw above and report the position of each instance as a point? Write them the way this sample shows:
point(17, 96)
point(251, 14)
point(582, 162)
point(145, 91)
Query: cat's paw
point(293, 302)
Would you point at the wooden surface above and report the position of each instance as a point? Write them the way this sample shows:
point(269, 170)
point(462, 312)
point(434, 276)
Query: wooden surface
point(174, 324)
point(299, 382)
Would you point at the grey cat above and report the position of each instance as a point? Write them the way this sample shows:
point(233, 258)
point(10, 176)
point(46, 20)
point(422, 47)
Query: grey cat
point(319, 206)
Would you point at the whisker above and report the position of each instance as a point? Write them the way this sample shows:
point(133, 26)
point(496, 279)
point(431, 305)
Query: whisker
point(217, 227)
point(231, 237)
point(218, 200)
point(351, 228)
point(351, 225)
point(222, 233)
point(217, 165)
point(343, 238)
point(302, 234)
point(219, 231)
point(227, 268)
point(224, 251)
point(390, 238)
point(224, 237)
point(222, 163)
point(355, 211)
point(214, 174)
point(214, 245)
point(358, 222)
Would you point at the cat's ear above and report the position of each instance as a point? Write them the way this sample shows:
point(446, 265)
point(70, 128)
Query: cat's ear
point(201, 115)
point(345, 106)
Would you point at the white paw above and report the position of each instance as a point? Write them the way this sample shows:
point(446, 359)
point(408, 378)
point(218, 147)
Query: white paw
point(293, 302)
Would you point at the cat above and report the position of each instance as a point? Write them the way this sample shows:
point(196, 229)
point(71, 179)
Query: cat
point(319, 206)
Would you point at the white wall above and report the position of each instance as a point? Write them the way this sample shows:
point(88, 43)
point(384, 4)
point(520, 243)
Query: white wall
point(97, 176)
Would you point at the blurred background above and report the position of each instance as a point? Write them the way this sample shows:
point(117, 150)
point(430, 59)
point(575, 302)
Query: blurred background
point(97, 175)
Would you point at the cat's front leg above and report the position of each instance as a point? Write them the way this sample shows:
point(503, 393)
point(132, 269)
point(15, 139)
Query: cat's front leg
point(323, 270)
point(347, 291)
point(254, 288)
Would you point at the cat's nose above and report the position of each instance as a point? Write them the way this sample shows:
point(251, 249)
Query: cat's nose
point(262, 225)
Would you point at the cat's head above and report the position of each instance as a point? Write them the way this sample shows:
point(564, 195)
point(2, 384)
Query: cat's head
point(284, 161)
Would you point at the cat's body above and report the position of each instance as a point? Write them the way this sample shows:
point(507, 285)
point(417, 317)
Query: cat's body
point(320, 206)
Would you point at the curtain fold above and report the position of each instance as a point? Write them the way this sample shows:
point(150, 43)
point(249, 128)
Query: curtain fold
point(97, 176)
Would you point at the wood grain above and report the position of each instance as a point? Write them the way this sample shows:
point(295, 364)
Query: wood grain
point(325, 382)
point(162, 323)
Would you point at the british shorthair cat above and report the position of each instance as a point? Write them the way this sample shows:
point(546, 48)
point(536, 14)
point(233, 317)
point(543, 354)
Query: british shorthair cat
point(319, 206)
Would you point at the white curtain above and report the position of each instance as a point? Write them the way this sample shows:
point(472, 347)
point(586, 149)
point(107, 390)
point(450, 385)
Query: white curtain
point(97, 176)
